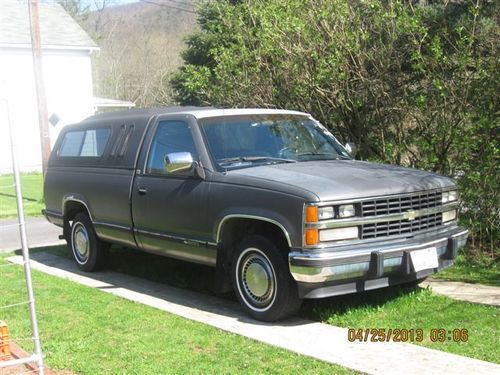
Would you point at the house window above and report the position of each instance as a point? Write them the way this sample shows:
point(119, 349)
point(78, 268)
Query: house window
point(84, 143)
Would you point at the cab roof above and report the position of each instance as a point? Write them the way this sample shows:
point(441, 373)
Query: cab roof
point(198, 112)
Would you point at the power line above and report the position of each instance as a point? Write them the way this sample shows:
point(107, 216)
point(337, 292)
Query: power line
point(168, 6)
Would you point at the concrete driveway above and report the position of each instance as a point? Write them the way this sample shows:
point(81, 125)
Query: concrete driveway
point(40, 233)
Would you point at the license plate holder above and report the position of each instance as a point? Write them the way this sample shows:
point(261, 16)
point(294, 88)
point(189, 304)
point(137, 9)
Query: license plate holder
point(424, 259)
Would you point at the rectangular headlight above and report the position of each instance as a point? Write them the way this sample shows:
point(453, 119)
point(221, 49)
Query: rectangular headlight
point(346, 210)
point(449, 196)
point(449, 216)
point(452, 196)
point(325, 213)
point(338, 234)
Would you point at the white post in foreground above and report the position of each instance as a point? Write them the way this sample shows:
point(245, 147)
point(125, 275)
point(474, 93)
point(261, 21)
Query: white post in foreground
point(37, 357)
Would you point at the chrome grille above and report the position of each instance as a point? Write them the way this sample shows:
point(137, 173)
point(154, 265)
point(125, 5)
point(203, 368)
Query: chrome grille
point(400, 204)
point(399, 227)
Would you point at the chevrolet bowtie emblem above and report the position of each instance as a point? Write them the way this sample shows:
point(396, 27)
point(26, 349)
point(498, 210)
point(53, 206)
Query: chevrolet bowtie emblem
point(411, 215)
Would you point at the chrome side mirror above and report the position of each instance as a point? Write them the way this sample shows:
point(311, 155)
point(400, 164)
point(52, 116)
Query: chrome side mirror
point(351, 148)
point(177, 162)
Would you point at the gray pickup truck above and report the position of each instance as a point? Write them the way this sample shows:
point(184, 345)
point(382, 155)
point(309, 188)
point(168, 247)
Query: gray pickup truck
point(269, 198)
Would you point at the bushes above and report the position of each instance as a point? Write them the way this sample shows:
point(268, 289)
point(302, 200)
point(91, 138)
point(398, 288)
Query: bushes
point(413, 85)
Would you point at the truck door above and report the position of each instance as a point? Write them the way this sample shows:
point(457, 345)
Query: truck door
point(169, 209)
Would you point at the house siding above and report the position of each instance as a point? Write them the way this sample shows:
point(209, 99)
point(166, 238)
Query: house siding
point(68, 85)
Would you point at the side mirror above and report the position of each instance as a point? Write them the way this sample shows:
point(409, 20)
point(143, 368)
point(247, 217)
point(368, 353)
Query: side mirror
point(351, 148)
point(177, 162)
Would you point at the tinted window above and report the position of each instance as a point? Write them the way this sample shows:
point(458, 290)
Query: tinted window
point(243, 141)
point(171, 136)
point(71, 144)
point(84, 143)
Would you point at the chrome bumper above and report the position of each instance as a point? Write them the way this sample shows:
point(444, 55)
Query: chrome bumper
point(373, 260)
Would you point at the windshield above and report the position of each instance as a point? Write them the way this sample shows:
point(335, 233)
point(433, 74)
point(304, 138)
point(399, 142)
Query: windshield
point(243, 141)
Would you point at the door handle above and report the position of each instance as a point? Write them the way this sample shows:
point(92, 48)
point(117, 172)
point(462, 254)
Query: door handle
point(142, 191)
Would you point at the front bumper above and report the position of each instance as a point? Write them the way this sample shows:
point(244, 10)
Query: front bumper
point(353, 268)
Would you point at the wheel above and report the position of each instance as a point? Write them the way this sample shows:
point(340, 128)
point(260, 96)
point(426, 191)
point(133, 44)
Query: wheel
point(88, 250)
point(262, 281)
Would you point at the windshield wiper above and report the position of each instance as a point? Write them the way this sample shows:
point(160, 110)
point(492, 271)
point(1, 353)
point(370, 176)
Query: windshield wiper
point(255, 158)
point(336, 156)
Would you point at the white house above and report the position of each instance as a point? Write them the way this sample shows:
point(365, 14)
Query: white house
point(67, 75)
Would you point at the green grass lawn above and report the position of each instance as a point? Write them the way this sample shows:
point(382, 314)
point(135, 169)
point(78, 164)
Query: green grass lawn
point(32, 189)
point(386, 308)
point(91, 332)
point(482, 270)
point(416, 308)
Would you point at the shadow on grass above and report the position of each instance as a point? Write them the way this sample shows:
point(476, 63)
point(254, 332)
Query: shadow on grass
point(200, 279)
point(14, 196)
point(173, 272)
point(323, 309)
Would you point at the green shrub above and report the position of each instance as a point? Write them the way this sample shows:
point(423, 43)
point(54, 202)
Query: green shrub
point(413, 85)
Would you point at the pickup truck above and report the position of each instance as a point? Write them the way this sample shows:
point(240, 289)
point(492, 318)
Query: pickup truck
point(269, 198)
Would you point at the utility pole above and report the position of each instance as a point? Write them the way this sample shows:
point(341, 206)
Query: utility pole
point(36, 48)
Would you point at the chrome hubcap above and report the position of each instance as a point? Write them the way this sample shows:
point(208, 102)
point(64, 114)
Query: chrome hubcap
point(80, 242)
point(258, 280)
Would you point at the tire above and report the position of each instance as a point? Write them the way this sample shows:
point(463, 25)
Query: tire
point(89, 252)
point(262, 281)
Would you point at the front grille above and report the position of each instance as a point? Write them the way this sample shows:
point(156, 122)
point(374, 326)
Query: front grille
point(396, 205)
point(399, 227)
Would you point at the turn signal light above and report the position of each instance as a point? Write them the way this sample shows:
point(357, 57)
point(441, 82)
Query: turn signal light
point(311, 214)
point(312, 237)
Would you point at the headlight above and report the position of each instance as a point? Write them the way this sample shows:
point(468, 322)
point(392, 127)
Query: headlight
point(449, 196)
point(314, 213)
point(449, 216)
point(346, 210)
point(325, 213)
point(452, 196)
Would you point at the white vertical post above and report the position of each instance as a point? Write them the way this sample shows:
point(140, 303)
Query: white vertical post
point(24, 244)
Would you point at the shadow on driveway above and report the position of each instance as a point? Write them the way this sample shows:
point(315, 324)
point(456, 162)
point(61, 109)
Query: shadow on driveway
point(191, 284)
point(175, 282)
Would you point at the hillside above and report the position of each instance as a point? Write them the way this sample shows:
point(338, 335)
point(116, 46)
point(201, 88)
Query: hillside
point(141, 46)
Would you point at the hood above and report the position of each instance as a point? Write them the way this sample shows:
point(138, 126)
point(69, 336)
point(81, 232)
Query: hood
point(346, 179)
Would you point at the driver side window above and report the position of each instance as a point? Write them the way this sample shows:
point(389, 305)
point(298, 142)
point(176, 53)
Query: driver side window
point(170, 137)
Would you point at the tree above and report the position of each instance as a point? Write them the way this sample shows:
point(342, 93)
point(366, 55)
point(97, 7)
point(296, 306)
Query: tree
point(140, 50)
point(76, 9)
point(413, 85)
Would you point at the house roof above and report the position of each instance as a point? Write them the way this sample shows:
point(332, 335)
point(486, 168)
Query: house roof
point(57, 28)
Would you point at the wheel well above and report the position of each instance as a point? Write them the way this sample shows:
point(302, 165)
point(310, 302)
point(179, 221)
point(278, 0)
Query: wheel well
point(232, 232)
point(71, 209)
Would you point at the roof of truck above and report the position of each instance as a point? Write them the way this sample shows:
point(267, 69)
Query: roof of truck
point(198, 112)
